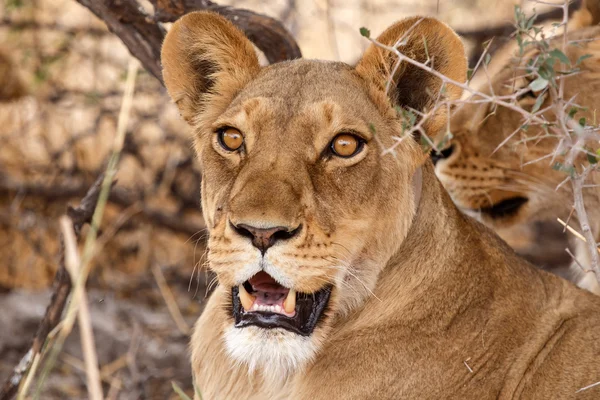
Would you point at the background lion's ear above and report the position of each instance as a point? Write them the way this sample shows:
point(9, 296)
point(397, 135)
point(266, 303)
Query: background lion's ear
point(204, 54)
point(426, 40)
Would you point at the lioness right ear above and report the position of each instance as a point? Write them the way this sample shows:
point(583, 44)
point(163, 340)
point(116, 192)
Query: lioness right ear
point(429, 42)
point(202, 55)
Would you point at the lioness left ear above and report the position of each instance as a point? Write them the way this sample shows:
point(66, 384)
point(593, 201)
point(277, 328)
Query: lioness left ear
point(204, 54)
point(425, 40)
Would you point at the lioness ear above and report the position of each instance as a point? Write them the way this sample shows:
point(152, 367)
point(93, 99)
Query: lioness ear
point(427, 41)
point(205, 54)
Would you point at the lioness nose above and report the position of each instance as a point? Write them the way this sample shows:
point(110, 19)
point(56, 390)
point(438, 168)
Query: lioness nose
point(264, 238)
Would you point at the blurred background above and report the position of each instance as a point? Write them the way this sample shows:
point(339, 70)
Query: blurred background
point(62, 75)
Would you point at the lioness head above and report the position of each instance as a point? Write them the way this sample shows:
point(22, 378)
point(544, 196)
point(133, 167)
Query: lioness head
point(302, 209)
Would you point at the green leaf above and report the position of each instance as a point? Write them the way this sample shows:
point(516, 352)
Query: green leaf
point(488, 58)
point(556, 53)
point(549, 63)
point(582, 121)
point(530, 21)
point(180, 392)
point(583, 57)
point(539, 84)
point(538, 102)
point(469, 74)
point(592, 158)
point(560, 167)
point(572, 112)
point(365, 32)
point(545, 73)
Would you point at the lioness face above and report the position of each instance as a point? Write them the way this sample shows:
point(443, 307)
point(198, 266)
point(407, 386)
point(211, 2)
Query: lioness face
point(302, 210)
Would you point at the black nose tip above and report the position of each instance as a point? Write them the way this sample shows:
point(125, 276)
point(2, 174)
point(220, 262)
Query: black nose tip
point(264, 238)
point(437, 156)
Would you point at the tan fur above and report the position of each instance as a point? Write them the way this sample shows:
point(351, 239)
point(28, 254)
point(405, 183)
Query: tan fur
point(426, 303)
point(478, 174)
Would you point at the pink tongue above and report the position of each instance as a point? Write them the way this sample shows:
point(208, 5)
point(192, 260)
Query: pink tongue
point(264, 283)
point(267, 290)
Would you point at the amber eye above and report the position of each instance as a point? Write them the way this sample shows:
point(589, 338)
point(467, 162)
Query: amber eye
point(346, 145)
point(231, 139)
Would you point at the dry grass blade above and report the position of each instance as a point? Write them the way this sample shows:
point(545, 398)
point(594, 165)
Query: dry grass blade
point(73, 263)
point(170, 300)
point(90, 244)
point(180, 392)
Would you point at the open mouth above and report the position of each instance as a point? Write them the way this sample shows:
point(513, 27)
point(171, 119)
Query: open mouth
point(505, 208)
point(262, 302)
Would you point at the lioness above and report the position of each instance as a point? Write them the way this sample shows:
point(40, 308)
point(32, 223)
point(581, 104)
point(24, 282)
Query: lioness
point(344, 274)
point(505, 178)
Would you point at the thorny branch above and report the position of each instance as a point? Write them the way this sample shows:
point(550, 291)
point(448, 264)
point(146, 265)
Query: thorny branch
point(578, 182)
point(80, 216)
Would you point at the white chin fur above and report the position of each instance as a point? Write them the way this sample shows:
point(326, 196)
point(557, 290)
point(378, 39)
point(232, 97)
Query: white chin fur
point(275, 353)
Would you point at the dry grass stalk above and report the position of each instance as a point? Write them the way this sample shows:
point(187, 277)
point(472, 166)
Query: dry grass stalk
point(170, 300)
point(27, 382)
point(88, 347)
point(90, 243)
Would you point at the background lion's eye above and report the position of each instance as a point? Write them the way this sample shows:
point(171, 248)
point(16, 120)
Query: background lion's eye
point(346, 145)
point(231, 139)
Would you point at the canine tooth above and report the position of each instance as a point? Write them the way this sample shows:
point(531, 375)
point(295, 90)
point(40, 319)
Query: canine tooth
point(246, 298)
point(289, 304)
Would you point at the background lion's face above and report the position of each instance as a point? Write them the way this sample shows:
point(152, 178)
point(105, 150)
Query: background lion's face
point(507, 176)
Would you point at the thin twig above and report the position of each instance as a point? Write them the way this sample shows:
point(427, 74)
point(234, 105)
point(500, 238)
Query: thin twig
point(574, 232)
point(588, 387)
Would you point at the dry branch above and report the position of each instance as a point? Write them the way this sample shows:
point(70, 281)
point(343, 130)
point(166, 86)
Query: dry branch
point(143, 34)
point(80, 215)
